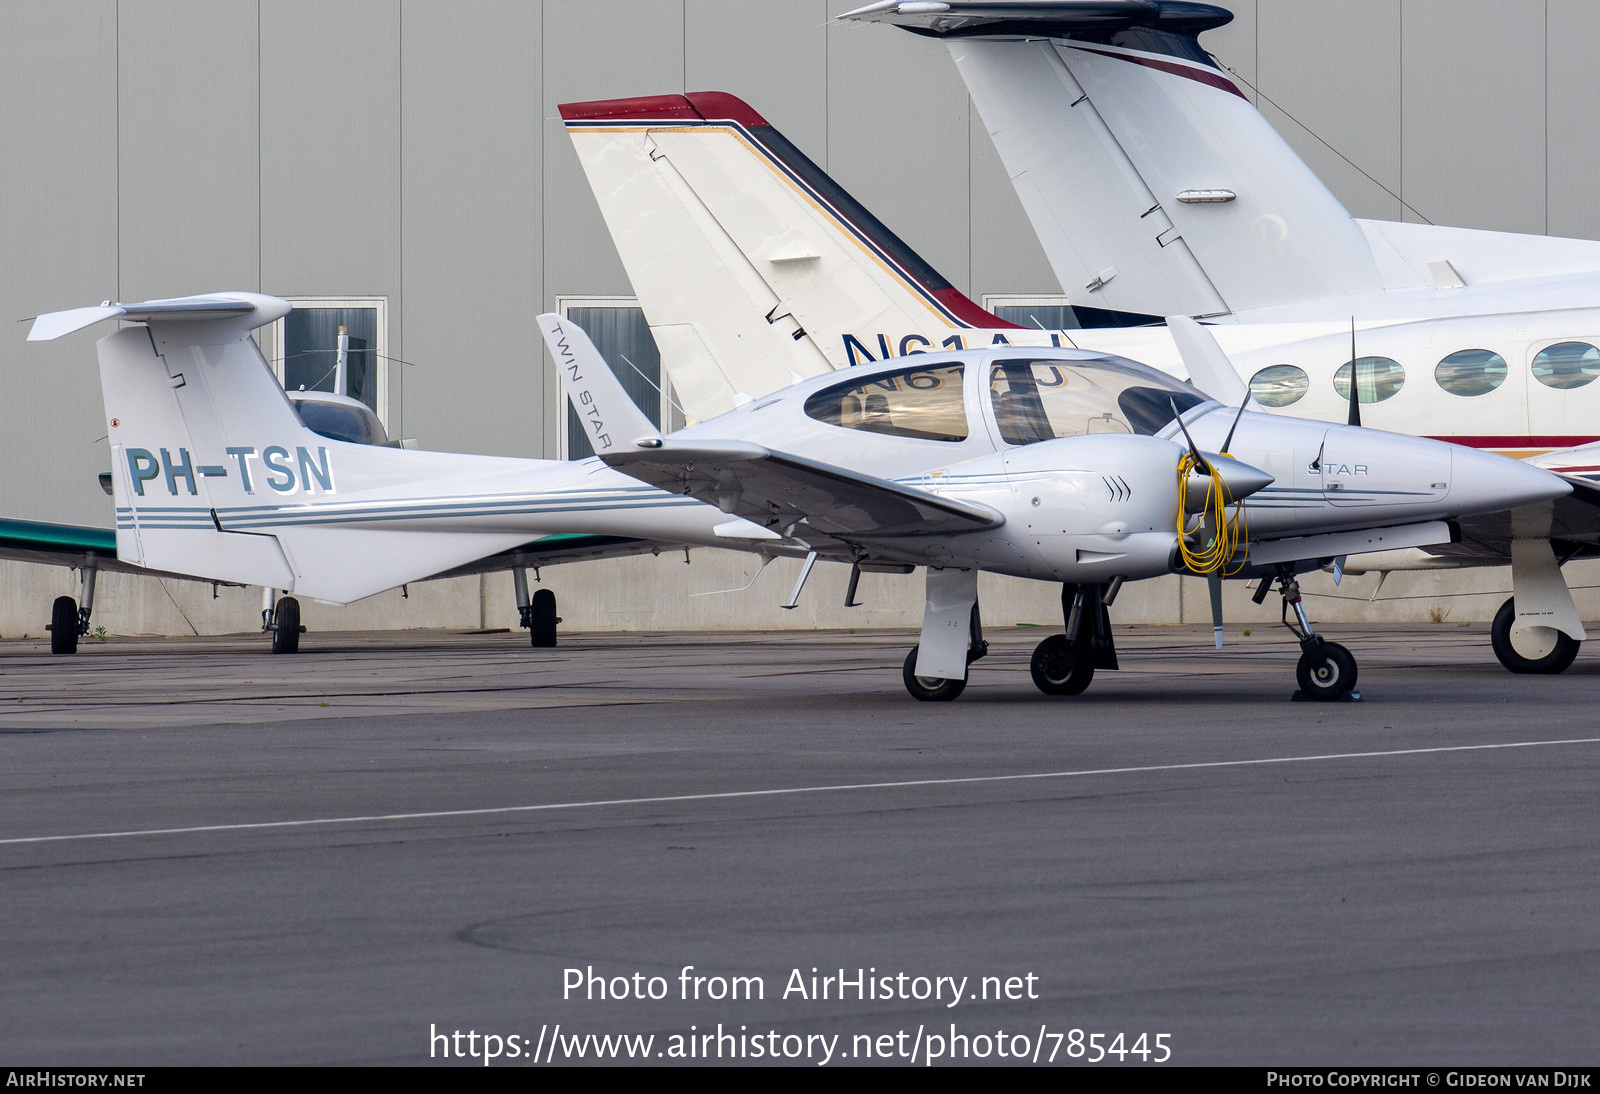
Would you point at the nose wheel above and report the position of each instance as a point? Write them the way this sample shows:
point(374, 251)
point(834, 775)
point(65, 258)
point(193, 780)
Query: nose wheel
point(1327, 671)
point(1060, 667)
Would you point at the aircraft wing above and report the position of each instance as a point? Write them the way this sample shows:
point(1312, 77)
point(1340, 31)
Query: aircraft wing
point(554, 549)
point(778, 491)
point(62, 545)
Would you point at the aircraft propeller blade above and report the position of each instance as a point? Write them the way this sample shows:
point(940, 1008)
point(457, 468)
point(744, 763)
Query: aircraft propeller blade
point(1194, 449)
point(1214, 587)
point(1228, 440)
point(1354, 417)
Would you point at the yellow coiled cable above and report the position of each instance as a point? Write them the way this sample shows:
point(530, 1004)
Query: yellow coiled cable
point(1211, 557)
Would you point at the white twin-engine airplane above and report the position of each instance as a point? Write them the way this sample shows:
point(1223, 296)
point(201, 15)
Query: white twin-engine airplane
point(1062, 465)
point(1156, 189)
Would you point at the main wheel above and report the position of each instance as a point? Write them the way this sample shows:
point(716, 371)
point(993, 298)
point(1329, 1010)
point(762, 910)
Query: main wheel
point(929, 689)
point(542, 618)
point(1543, 650)
point(286, 632)
point(1326, 676)
point(64, 625)
point(1058, 668)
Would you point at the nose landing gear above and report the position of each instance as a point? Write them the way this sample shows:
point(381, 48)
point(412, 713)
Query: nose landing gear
point(1326, 671)
point(1064, 664)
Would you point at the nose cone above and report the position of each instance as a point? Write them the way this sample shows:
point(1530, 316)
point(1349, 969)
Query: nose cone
point(1237, 478)
point(1482, 482)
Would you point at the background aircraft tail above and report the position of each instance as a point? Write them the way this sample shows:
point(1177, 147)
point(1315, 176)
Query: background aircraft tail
point(753, 267)
point(1155, 186)
point(215, 475)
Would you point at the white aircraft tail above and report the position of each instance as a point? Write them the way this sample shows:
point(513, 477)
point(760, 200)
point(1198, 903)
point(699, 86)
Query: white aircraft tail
point(1152, 182)
point(1155, 186)
point(215, 475)
point(754, 268)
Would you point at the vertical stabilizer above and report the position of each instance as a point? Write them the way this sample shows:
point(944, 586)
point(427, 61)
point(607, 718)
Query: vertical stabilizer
point(1152, 182)
point(747, 258)
point(216, 477)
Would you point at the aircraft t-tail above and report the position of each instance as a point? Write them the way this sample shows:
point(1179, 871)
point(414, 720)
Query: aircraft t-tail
point(754, 268)
point(951, 462)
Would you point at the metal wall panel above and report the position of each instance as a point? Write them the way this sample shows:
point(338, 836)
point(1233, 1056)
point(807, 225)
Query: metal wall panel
point(330, 150)
point(471, 132)
point(1336, 68)
point(593, 49)
point(58, 233)
point(189, 165)
point(1573, 105)
point(1473, 104)
point(773, 55)
point(897, 139)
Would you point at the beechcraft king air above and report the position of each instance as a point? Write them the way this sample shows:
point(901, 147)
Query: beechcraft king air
point(1178, 198)
point(216, 477)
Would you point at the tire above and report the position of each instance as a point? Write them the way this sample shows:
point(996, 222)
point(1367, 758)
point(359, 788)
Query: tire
point(1327, 676)
point(1549, 662)
point(1058, 669)
point(929, 689)
point(64, 625)
point(286, 633)
point(542, 619)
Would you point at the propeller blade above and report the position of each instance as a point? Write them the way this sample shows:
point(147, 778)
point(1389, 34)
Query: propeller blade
point(1194, 449)
point(1214, 587)
point(1355, 388)
point(1228, 440)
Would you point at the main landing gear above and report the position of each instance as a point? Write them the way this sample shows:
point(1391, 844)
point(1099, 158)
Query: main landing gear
point(280, 617)
point(68, 620)
point(1327, 671)
point(1538, 650)
point(1064, 664)
point(939, 689)
point(537, 613)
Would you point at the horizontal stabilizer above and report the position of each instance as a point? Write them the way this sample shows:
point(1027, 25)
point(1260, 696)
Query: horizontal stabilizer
point(776, 490)
point(253, 309)
point(1061, 18)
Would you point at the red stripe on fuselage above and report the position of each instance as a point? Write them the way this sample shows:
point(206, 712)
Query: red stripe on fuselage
point(1507, 441)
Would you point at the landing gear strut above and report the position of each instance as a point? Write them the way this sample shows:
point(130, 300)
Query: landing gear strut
point(69, 621)
point(281, 618)
point(1327, 671)
point(1064, 664)
point(537, 613)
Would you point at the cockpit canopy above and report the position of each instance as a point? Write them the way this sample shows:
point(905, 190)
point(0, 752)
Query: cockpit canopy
point(1040, 399)
point(338, 417)
point(1034, 399)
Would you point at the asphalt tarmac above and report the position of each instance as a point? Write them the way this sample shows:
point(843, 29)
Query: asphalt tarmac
point(210, 855)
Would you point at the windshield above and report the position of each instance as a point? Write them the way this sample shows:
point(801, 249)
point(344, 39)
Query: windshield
point(338, 422)
point(921, 401)
point(1040, 400)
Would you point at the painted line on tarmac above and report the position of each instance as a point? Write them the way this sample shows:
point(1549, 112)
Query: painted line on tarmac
point(665, 799)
